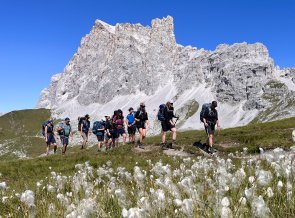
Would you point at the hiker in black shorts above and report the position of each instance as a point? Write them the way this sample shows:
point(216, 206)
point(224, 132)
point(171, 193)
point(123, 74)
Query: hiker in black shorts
point(168, 125)
point(210, 120)
point(142, 123)
point(131, 127)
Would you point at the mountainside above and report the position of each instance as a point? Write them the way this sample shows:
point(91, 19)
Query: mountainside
point(120, 66)
point(20, 133)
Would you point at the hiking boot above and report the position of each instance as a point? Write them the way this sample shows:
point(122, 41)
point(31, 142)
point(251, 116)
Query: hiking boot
point(172, 145)
point(164, 146)
point(210, 150)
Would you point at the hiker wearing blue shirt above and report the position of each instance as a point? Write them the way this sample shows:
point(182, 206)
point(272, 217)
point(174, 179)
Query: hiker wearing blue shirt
point(65, 132)
point(49, 137)
point(85, 130)
point(130, 122)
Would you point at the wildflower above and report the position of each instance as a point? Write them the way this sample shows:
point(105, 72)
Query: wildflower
point(259, 208)
point(263, 177)
point(280, 185)
point(187, 207)
point(3, 185)
point(28, 198)
point(243, 201)
point(269, 192)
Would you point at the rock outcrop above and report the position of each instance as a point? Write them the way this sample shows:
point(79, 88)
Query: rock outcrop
point(119, 66)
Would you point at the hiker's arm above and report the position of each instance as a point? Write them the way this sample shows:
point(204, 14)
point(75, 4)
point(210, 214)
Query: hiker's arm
point(46, 129)
point(81, 129)
point(205, 121)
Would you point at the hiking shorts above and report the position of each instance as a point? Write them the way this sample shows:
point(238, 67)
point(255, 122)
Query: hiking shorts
point(166, 126)
point(132, 130)
point(64, 140)
point(51, 139)
point(210, 129)
point(140, 125)
point(100, 138)
point(85, 136)
point(120, 132)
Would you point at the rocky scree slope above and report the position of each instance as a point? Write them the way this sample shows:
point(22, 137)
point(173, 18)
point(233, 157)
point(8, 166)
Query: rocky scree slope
point(120, 66)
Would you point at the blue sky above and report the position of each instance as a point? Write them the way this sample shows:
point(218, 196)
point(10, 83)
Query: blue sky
point(38, 38)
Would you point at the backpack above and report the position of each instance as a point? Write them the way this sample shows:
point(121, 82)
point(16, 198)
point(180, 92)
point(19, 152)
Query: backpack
point(60, 127)
point(161, 112)
point(205, 107)
point(97, 125)
point(44, 126)
point(67, 130)
point(80, 121)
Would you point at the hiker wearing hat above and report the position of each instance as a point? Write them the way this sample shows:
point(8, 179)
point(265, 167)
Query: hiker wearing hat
point(210, 119)
point(85, 130)
point(131, 127)
point(168, 124)
point(66, 132)
point(142, 123)
point(49, 137)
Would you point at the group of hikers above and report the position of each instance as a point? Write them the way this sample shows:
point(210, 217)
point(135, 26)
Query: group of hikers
point(110, 128)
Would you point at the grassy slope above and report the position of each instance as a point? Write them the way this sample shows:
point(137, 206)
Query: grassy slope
point(266, 135)
point(21, 129)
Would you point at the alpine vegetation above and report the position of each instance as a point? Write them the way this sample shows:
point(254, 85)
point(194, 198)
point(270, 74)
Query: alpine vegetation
point(258, 186)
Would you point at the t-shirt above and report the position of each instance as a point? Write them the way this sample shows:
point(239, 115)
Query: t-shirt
point(168, 113)
point(130, 118)
point(142, 116)
point(86, 125)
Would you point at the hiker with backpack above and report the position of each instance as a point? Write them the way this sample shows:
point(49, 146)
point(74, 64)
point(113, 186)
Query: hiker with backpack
point(110, 135)
point(99, 130)
point(131, 127)
point(65, 131)
point(209, 116)
point(119, 123)
point(142, 123)
point(84, 128)
point(166, 116)
point(49, 136)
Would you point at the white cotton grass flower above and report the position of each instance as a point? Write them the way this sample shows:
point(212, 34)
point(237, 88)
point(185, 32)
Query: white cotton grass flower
point(280, 185)
point(243, 201)
point(269, 192)
point(28, 198)
point(251, 179)
point(85, 208)
point(263, 177)
point(188, 207)
point(177, 202)
point(3, 185)
point(259, 207)
point(50, 188)
point(133, 213)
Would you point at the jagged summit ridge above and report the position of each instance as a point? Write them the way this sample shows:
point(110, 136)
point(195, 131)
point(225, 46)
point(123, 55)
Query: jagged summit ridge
point(119, 66)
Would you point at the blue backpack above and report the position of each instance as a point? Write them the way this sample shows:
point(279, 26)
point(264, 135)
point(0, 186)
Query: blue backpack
point(96, 126)
point(161, 112)
point(205, 107)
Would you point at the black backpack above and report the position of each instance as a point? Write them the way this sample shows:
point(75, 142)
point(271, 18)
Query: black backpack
point(80, 121)
point(205, 107)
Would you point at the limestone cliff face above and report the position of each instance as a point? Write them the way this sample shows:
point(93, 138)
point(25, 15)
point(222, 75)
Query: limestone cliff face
point(119, 66)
